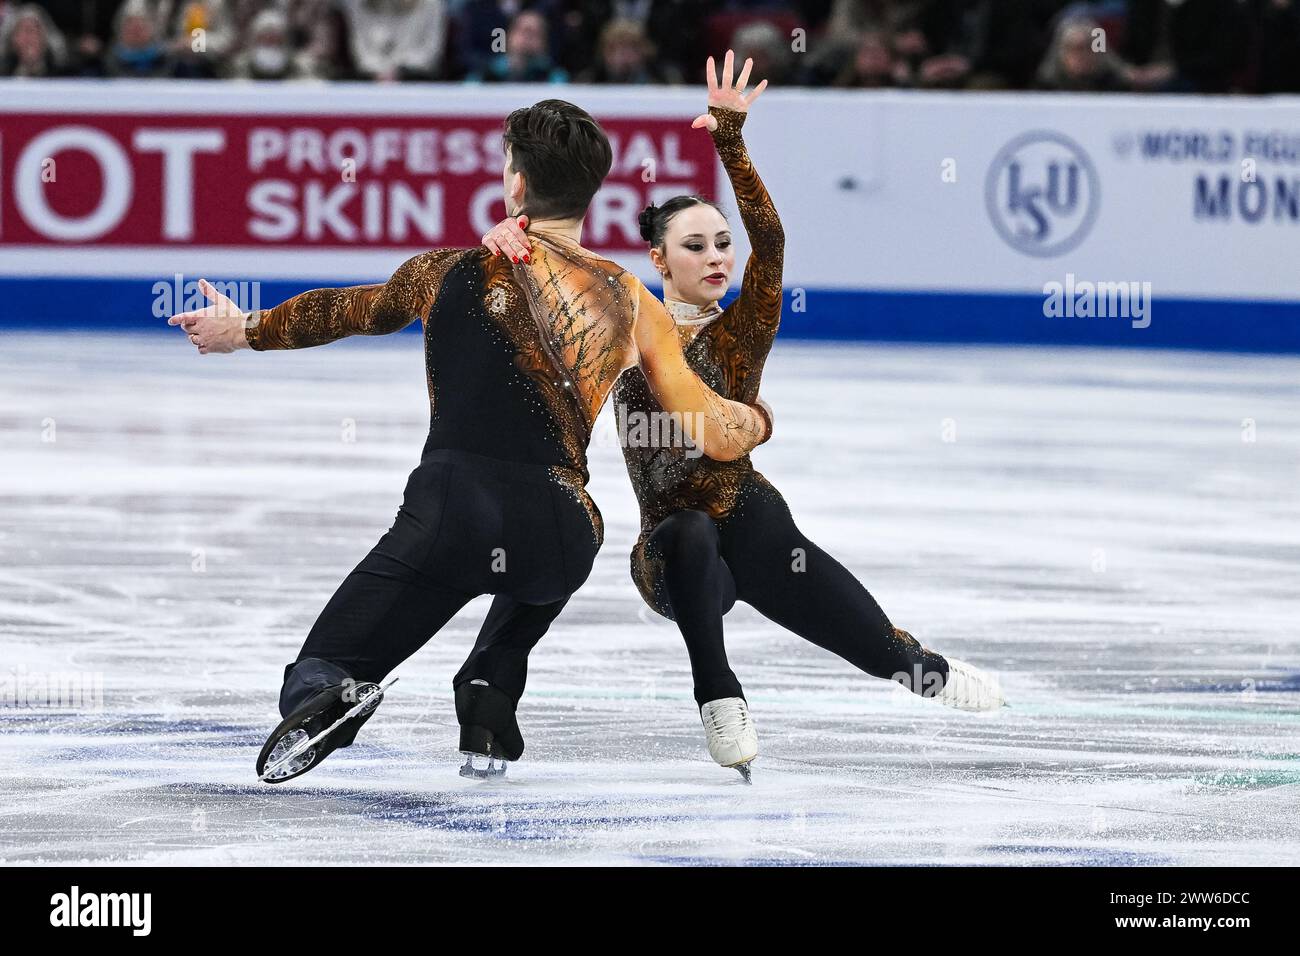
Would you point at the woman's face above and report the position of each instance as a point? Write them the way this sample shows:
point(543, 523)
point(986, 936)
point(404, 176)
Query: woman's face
point(698, 254)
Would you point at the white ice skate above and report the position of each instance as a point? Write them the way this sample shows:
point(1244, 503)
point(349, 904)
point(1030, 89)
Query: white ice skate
point(733, 741)
point(970, 688)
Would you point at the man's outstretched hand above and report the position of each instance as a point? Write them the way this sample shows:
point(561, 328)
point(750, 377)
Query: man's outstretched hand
point(507, 238)
point(218, 326)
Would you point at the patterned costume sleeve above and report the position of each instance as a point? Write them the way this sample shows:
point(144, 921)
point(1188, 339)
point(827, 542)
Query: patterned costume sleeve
point(724, 429)
point(756, 313)
point(324, 315)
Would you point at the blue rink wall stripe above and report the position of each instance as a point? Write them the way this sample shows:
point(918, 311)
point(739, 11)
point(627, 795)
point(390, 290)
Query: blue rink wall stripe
point(1228, 325)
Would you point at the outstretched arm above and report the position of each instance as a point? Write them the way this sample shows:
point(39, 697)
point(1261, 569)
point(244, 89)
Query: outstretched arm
point(723, 429)
point(321, 315)
point(324, 315)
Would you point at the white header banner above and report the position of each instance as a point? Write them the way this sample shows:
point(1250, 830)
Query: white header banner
point(968, 192)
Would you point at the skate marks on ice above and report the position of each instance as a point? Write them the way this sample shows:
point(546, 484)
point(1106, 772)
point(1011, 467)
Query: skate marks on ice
point(904, 785)
point(1096, 529)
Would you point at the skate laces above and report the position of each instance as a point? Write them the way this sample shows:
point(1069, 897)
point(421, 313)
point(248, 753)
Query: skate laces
point(729, 719)
point(973, 687)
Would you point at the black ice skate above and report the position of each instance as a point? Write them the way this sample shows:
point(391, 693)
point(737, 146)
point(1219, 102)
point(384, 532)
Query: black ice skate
point(327, 721)
point(487, 729)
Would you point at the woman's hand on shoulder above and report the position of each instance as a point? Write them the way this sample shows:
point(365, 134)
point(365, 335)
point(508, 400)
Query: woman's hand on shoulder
point(507, 238)
point(726, 94)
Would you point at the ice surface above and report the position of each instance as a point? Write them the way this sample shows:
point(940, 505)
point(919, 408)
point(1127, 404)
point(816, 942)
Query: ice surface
point(1101, 531)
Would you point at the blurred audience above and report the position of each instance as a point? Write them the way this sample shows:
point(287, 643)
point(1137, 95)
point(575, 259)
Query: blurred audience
point(1279, 54)
point(324, 53)
point(1193, 46)
point(773, 59)
point(136, 50)
point(481, 27)
point(30, 44)
point(1078, 60)
point(626, 55)
point(84, 26)
point(873, 63)
point(201, 36)
point(1007, 41)
point(527, 55)
point(1188, 46)
point(267, 53)
point(397, 39)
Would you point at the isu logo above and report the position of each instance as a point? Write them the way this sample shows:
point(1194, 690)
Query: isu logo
point(1042, 194)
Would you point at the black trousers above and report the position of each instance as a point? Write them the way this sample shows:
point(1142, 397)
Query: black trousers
point(700, 567)
point(468, 525)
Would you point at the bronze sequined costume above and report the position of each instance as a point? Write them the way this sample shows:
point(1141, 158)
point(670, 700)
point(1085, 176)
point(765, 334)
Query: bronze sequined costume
point(713, 532)
point(728, 349)
point(519, 360)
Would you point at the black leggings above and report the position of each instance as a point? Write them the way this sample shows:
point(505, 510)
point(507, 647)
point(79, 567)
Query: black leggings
point(700, 567)
point(468, 525)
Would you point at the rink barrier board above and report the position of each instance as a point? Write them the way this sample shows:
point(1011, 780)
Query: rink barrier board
point(937, 216)
point(64, 303)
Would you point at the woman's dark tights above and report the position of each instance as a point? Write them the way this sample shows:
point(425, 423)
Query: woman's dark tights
point(758, 556)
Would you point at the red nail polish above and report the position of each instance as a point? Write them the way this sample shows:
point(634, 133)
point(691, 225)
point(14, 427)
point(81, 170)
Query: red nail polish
point(514, 258)
point(526, 259)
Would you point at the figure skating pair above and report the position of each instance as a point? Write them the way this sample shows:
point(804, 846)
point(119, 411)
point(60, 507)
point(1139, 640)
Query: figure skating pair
point(520, 358)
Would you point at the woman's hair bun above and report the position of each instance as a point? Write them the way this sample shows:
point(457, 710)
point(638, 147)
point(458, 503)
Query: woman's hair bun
point(647, 222)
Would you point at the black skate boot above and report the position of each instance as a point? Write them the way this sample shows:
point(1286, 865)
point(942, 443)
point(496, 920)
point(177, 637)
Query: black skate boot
point(487, 729)
point(328, 720)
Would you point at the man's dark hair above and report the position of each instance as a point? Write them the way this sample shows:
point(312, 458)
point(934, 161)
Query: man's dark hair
point(563, 154)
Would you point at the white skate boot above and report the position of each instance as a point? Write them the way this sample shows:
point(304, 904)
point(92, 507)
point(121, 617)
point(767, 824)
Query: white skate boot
point(969, 688)
point(733, 741)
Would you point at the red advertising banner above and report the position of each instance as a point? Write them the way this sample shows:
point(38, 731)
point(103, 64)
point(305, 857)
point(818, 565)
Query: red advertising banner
point(284, 181)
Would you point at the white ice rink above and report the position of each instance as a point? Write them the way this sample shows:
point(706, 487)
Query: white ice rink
point(1102, 531)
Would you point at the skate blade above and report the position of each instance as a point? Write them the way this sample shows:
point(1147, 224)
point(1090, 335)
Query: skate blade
point(300, 756)
point(966, 709)
point(745, 772)
point(493, 770)
point(288, 758)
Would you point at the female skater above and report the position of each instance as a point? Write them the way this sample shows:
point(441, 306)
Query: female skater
point(714, 532)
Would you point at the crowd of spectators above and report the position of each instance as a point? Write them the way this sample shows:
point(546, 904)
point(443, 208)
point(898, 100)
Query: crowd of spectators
point(1204, 46)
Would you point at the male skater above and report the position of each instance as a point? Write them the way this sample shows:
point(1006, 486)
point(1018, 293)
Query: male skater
point(520, 358)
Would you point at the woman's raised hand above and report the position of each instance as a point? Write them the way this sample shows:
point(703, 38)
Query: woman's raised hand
point(726, 94)
point(507, 238)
